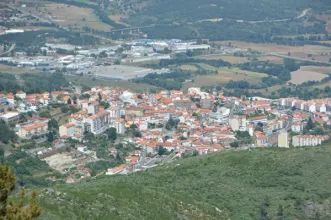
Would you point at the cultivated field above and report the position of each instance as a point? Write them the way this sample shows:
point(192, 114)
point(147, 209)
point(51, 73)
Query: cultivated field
point(224, 75)
point(275, 48)
point(230, 59)
point(272, 59)
point(305, 74)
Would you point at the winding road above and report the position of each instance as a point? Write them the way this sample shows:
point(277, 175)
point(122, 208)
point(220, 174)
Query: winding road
point(302, 14)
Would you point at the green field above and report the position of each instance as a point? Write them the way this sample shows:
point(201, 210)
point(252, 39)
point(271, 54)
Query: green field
point(254, 184)
point(90, 82)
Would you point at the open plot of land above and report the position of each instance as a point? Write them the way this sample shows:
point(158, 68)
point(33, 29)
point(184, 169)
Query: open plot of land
point(69, 15)
point(15, 70)
point(188, 67)
point(275, 48)
point(230, 59)
point(89, 82)
point(272, 59)
point(224, 75)
point(119, 71)
point(305, 74)
point(59, 161)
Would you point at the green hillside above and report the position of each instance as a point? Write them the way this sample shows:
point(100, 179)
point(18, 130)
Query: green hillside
point(253, 184)
point(227, 19)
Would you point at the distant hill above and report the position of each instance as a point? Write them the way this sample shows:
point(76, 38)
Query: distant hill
point(166, 11)
point(252, 184)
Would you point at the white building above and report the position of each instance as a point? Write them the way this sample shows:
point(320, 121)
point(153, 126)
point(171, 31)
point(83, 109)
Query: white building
point(99, 122)
point(238, 123)
point(283, 139)
point(308, 140)
point(21, 95)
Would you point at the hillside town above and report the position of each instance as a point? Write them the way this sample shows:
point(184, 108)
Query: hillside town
point(156, 128)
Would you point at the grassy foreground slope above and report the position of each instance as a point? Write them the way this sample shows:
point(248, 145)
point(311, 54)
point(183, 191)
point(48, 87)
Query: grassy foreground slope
point(255, 184)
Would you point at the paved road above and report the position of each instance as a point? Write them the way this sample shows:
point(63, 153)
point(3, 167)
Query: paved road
point(296, 58)
point(302, 14)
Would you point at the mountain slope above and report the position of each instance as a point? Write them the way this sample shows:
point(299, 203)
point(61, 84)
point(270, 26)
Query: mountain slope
point(256, 184)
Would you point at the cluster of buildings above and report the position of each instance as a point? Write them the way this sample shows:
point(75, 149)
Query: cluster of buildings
point(195, 122)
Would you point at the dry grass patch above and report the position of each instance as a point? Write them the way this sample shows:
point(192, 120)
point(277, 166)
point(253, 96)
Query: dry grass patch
point(15, 70)
point(272, 59)
point(69, 15)
point(230, 59)
point(226, 74)
point(188, 67)
point(305, 74)
point(275, 48)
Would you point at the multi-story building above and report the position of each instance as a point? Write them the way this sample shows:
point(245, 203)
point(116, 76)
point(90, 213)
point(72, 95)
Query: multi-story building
point(283, 139)
point(99, 122)
point(93, 108)
point(21, 95)
point(308, 140)
point(238, 123)
point(183, 104)
point(34, 129)
point(207, 103)
point(120, 126)
point(67, 130)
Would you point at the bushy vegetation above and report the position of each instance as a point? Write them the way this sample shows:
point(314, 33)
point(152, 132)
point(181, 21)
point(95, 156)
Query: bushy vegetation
point(33, 83)
point(184, 20)
point(6, 133)
point(254, 184)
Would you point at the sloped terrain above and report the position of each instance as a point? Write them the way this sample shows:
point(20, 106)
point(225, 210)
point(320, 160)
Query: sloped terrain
point(254, 184)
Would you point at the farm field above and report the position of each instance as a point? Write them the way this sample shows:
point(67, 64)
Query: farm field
point(62, 15)
point(224, 75)
point(230, 59)
point(272, 59)
point(275, 48)
point(310, 73)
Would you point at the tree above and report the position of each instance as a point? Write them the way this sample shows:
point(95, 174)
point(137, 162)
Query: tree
point(69, 101)
point(45, 114)
point(53, 124)
point(112, 134)
point(310, 124)
point(50, 136)
point(20, 209)
point(161, 151)
point(6, 134)
point(234, 144)
point(100, 96)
